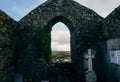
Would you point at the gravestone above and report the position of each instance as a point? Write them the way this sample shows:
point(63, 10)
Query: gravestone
point(44, 81)
point(90, 74)
point(18, 78)
point(28, 80)
point(60, 78)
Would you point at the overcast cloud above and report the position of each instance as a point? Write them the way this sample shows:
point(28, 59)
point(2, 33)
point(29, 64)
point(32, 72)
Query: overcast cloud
point(60, 37)
point(102, 7)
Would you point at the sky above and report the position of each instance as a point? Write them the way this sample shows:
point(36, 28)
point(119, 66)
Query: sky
point(60, 37)
point(19, 8)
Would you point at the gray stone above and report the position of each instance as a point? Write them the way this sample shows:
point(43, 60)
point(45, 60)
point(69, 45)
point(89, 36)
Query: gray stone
point(87, 29)
point(82, 23)
point(44, 81)
point(90, 76)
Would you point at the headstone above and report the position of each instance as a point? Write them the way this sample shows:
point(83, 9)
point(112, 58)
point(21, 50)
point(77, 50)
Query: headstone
point(90, 74)
point(18, 78)
point(66, 80)
point(44, 81)
point(28, 80)
point(60, 78)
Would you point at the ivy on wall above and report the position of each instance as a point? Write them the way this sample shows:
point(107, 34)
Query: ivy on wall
point(42, 43)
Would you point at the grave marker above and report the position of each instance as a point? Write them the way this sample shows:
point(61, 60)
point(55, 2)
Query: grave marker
point(18, 78)
point(90, 74)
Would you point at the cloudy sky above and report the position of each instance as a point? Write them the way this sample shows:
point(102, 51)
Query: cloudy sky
point(60, 34)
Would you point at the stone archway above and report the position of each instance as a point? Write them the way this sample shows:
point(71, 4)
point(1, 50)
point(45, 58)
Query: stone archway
point(83, 24)
point(63, 68)
point(86, 28)
point(63, 20)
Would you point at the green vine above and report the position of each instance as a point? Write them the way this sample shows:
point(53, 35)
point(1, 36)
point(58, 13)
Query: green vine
point(42, 42)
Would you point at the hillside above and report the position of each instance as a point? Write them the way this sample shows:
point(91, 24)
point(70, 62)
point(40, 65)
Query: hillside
point(61, 56)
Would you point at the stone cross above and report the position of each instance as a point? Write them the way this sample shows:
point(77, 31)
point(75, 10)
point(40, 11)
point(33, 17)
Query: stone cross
point(90, 75)
point(90, 56)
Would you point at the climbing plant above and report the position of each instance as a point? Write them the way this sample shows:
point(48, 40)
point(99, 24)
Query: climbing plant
point(42, 44)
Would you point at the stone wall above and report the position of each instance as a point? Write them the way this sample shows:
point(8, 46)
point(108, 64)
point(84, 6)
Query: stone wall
point(112, 33)
point(114, 69)
point(25, 44)
point(7, 47)
point(84, 26)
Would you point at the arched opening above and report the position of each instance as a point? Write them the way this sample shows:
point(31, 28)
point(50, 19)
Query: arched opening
point(60, 43)
point(61, 68)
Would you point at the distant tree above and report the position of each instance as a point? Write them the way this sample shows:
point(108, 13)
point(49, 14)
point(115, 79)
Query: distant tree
point(60, 56)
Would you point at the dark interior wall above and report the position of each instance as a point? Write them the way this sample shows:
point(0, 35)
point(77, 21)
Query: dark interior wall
point(7, 47)
point(112, 34)
point(99, 63)
point(114, 69)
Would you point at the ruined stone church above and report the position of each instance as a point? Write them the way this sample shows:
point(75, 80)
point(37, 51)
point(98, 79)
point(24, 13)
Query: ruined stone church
point(24, 43)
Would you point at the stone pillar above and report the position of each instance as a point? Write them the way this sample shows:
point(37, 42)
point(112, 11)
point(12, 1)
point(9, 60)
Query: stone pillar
point(113, 54)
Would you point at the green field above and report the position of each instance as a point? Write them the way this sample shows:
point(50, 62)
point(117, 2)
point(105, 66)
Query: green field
point(61, 56)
